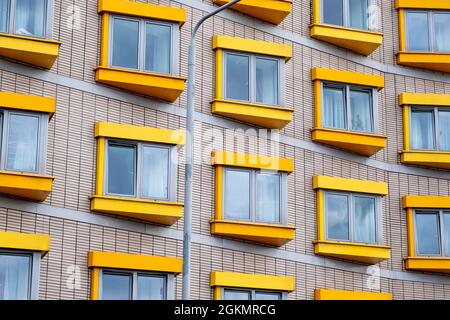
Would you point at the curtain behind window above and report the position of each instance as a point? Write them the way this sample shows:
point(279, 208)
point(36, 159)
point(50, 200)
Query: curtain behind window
point(365, 221)
point(361, 111)
point(4, 11)
point(267, 81)
point(417, 31)
point(447, 233)
point(268, 197)
point(427, 230)
point(444, 126)
point(422, 130)
point(358, 14)
point(158, 48)
point(333, 108)
point(30, 17)
point(442, 31)
point(155, 173)
point(14, 277)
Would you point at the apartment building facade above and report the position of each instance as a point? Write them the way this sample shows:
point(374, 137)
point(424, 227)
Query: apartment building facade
point(322, 149)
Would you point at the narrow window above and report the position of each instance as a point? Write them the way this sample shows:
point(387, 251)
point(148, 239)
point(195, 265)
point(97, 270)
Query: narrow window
point(125, 43)
point(337, 210)
point(15, 276)
point(116, 286)
point(237, 194)
point(158, 47)
point(334, 108)
point(422, 129)
point(358, 14)
point(237, 74)
point(268, 198)
point(333, 12)
point(4, 15)
point(30, 17)
point(442, 31)
point(267, 81)
point(427, 232)
point(446, 227)
point(365, 219)
point(417, 31)
point(151, 287)
point(155, 172)
point(361, 110)
point(121, 169)
point(444, 127)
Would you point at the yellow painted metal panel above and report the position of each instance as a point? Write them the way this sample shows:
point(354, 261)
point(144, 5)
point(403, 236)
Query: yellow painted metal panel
point(219, 74)
point(217, 293)
point(134, 262)
point(253, 46)
point(24, 185)
point(410, 232)
point(406, 136)
point(351, 185)
point(427, 60)
point(219, 192)
point(427, 158)
point(423, 4)
point(25, 241)
point(253, 281)
point(402, 29)
point(316, 11)
point(365, 253)
point(348, 77)
point(431, 264)
point(317, 104)
point(424, 99)
point(252, 161)
point(35, 51)
point(360, 41)
point(161, 212)
point(431, 202)
point(95, 281)
point(27, 102)
point(100, 173)
point(272, 234)
point(320, 215)
point(331, 294)
point(145, 10)
point(104, 47)
point(138, 133)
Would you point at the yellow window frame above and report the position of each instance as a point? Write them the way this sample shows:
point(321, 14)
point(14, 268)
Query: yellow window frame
point(332, 294)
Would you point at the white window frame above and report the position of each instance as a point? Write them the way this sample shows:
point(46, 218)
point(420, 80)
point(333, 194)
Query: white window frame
point(346, 15)
point(283, 294)
point(253, 188)
point(347, 105)
point(169, 281)
point(252, 77)
point(437, 138)
point(42, 139)
point(351, 212)
point(174, 50)
point(440, 213)
point(431, 33)
point(35, 265)
point(48, 20)
point(172, 170)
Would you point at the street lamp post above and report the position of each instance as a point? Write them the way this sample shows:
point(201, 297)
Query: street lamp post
point(189, 151)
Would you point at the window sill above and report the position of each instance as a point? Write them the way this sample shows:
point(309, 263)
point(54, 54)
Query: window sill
point(365, 253)
point(433, 159)
point(276, 235)
point(271, 117)
point(26, 185)
point(437, 61)
point(360, 41)
point(161, 86)
point(328, 294)
point(432, 264)
point(161, 212)
point(35, 51)
point(365, 144)
point(273, 11)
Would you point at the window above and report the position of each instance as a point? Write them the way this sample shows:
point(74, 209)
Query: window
point(430, 129)
point(140, 170)
point(254, 196)
point(15, 276)
point(144, 45)
point(25, 17)
point(346, 13)
point(133, 286)
point(428, 31)
point(432, 232)
point(240, 294)
point(252, 78)
point(348, 108)
point(22, 143)
point(351, 217)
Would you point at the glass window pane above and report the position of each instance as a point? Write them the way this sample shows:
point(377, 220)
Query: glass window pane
point(14, 277)
point(333, 108)
point(121, 169)
point(236, 295)
point(4, 15)
point(237, 74)
point(155, 173)
point(116, 286)
point(267, 81)
point(268, 197)
point(333, 12)
point(417, 31)
point(267, 296)
point(442, 31)
point(422, 130)
point(125, 42)
point(158, 48)
point(444, 127)
point(427, 233)
point(337, 217)
point(151, 287)
point(30, 17)
point(23, 137)
point(446, 230)
point(358, 14)
point(361, 110)
point(365, 220)
point(237, 194)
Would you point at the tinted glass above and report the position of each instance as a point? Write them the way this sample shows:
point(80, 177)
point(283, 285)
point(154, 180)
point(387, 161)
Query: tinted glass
point(14, 277)
point(446, 229)
point(337, 217)
point(237, 194)
point(116, 286)
point(442, 31)
point(444, 130)
point(158, 48)
point(358, 13)
point(365, 220)
point(417, 31)
point(268, 197)
point(125, 42)
point(4, 15)
point(427, 233)
point(422, 130)
point(333, 111)
point(155, 172)
point(151, 287)
point(333, 12)
point(121, 169)
point(236, 295)
point(237, 74)
point(361, 110)
point(267, 81)
point(267, 296)
point(30, 17)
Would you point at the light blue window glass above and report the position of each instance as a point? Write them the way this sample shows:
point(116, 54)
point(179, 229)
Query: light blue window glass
point(333, 12)
point(259, 295)
point(155, 172)
point(158, 47)
point(427, 233)
point(333, 108)
point(121, 169)
point(337, 215)
point(15, 276)
point(237, 295)
point(116, 286)
point(30, 17)
point(151, 287)
point(267, 81)
point(23, 141)
point(361, 110)
point(4, 15)
point(444, 127)
point(442, 31)
point(268, 197)
point(365, 220)
point(237, 194)
point(446, 229)
point(237, 77)
point(125, 43)
point(358, 14)
point(417, 31)
point(422, 130)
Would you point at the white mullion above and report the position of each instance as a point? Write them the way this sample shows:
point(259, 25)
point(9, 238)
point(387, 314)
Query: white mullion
point(134, 286)
point(346, 14)
point(142, 44)
point(431, 31)
point(12, 10)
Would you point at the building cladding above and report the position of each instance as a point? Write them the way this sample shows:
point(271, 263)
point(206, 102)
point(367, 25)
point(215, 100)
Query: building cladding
point(91, 107)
